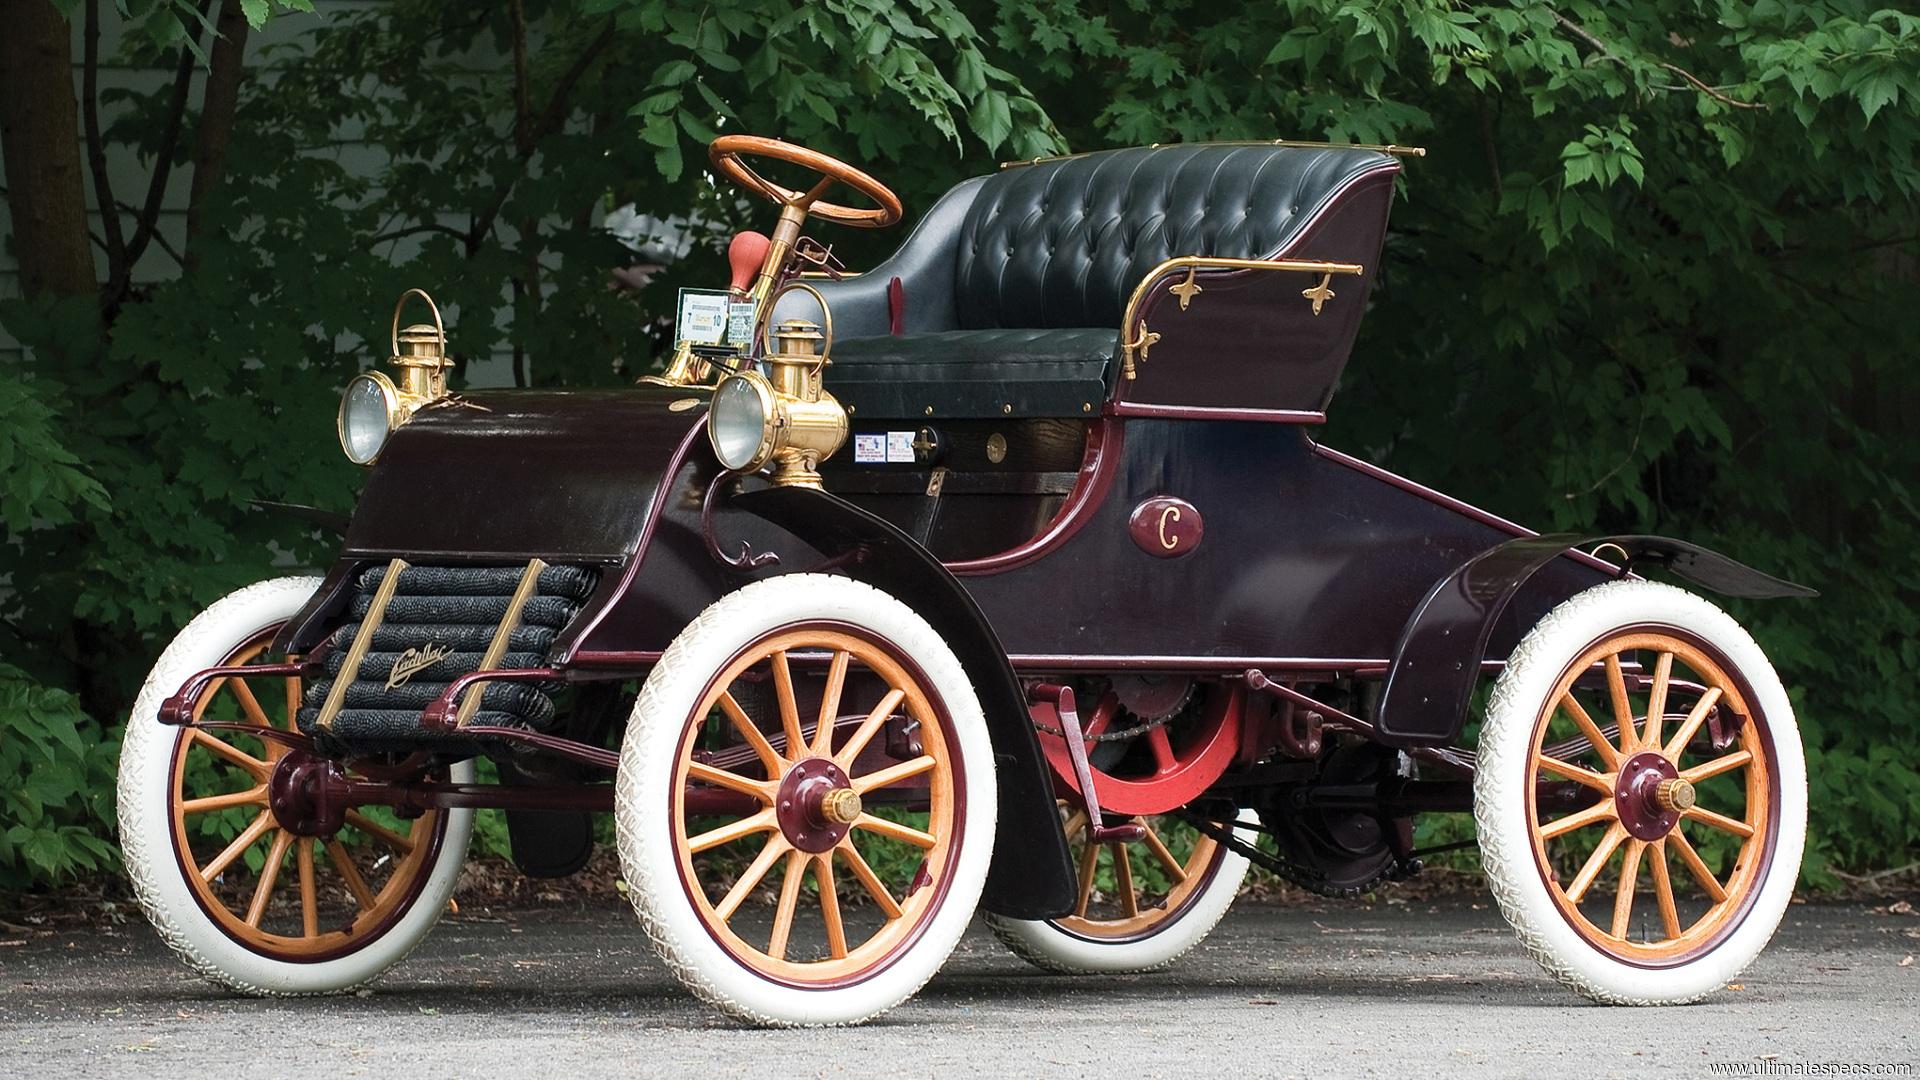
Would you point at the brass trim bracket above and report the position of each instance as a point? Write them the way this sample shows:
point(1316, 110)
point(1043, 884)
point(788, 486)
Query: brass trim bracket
point(357, 652)
point(1136, 343)
point(502, 637)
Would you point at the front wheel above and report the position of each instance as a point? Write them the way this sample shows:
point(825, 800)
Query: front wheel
point(1641, 795)
point(813, 726)
point(253, 903)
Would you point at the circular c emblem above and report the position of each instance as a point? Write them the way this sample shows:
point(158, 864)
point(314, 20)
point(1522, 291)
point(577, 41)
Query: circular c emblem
point(1166, 527)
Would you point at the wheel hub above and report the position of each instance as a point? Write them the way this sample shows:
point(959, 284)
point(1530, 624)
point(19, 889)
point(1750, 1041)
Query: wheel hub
point(816, 804)
point(1650, 796)
point(302, 794)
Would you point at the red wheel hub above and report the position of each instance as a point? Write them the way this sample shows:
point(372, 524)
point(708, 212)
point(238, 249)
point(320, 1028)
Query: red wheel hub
point(815, 805)
point(1181, 760)
point(1637, 795)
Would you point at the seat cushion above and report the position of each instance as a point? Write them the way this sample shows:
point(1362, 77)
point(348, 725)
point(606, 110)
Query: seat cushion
point(1063, 242)
point(975, 374)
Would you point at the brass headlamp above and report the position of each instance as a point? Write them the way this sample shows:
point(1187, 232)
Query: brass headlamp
point(785, 416)
point(373, 406)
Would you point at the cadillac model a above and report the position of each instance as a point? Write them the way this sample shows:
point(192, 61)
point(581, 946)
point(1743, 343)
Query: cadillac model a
point(1007, 575)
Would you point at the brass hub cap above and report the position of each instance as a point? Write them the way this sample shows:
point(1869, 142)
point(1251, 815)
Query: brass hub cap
point(1634, 719)
point(784, 763)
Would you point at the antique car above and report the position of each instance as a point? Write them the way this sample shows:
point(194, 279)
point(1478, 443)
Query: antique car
point(1007, 574)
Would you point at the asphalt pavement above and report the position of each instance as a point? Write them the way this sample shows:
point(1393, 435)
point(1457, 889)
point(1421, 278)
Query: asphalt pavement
point(1420, 989)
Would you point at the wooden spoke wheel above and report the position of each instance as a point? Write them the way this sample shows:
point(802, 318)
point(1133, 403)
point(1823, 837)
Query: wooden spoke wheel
point(806, 850)
point(256, 898)
point(1141, 905)
point(1643, 806)
point(284, 890)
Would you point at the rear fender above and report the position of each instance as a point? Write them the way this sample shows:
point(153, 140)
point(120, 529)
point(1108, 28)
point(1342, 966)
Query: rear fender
point(1437, 662)
point(1032, 873)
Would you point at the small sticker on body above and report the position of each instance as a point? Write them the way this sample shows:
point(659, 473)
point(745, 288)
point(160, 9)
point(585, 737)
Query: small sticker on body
point(869, 448)
point(900, 447)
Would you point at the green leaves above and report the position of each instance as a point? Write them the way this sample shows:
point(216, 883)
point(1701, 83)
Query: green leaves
point(56, 785)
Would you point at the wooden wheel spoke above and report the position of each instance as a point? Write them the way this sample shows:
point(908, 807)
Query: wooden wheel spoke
point(1719, 821)
point(343, 862)
point(1159, 848)
point(893, 830)
point(1601, 744)
point(1663, 889)
point(1657, 699)
point(1596, 862)
point(239, 846)
point(1162, 747)
point(830, 906)
point(1089, 861)
point(253, 796)
point(750, 732)
point(1076, 824)
point(1678, 744)
point(869, 880)
point(294, 690)
point(727, 834)
point(893, 774)
point(789, 709)
point(1123, 880)
point(732, 781)
point(232, 753)
point(830, 704)
point(394, 840)
point(309, 898)
point(789, 900)
point(1576, 773)
point(869, 727)
point(248, 703)
point(1697, 866)
point(1622, 708)
point(269, 876)
point(1717, 766)
point(751, 877)
point(1579, 819)
point(1629, 879)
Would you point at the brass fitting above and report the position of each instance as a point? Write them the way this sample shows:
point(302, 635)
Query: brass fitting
point(420, 353)
point(810, 423)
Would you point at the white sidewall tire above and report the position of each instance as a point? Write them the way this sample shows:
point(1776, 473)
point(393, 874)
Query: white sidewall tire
point(648, 856)
point(1047, 946)
point(146, 840)
point(1501, 785)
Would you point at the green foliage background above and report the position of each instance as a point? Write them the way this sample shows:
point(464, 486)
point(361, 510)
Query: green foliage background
point(1658, 273)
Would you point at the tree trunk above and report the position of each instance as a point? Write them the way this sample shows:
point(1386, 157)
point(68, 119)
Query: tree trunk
point(217, 109)
point(40, 137)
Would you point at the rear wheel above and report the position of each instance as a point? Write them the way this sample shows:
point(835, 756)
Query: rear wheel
point(806, 802)
point(255, 904)
point(1641, 795)
point(1141, 905)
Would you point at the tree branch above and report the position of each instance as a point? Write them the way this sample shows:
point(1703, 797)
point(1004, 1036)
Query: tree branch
point(162, 166)
point(116, 241)
point(551, 117)
point(1581, 32)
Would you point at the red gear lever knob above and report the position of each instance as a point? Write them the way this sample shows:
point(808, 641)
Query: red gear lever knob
point(746, 254)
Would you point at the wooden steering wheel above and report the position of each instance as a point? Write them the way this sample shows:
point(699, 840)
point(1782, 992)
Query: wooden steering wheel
point(728, 150)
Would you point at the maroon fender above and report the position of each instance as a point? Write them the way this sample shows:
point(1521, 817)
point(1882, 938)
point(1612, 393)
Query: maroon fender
point(1437, 662)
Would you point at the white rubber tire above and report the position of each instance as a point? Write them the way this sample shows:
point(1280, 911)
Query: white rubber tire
point(647, 764)
point(146, 841)
point(1046, 945)
point(1501, 783)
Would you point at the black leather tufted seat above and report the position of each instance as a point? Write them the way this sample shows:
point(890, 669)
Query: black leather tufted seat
point(1014, 284)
